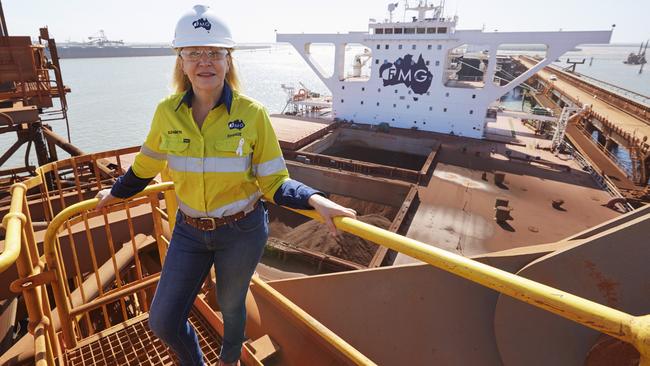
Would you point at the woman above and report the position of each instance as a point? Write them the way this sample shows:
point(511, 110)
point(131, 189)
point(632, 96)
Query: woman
point(223, 156)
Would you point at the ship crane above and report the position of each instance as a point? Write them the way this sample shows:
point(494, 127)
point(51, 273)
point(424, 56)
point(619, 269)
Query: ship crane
point(101, 40)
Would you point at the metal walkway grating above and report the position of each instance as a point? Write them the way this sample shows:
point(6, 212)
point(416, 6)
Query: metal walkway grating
point(132, 343)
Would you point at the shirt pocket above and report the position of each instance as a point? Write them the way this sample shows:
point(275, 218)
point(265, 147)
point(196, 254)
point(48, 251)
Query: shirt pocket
point(232, 156)
point(240, 147)
point(177, 150)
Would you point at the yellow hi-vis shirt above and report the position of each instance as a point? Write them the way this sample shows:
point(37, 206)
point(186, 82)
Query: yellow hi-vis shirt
point(221, 169)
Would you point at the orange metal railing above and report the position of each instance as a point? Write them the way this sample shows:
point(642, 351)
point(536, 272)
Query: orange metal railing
point(33, 203)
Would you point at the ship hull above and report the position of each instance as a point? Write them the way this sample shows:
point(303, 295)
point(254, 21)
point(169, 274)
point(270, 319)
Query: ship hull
point(94, 52)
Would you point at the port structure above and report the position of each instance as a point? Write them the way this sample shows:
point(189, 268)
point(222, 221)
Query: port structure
point(616, 117)
point(29, 100)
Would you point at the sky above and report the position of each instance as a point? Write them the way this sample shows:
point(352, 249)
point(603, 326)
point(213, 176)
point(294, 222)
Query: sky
point(148, 21)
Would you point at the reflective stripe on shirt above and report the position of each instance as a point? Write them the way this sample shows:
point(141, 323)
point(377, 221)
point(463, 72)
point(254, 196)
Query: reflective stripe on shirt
point(152, 154)
point(230, 209)
point(269, 167)
point(209, 165)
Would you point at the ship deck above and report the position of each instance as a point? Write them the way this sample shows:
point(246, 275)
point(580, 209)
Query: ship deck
point(295, 132)
point(458, 203)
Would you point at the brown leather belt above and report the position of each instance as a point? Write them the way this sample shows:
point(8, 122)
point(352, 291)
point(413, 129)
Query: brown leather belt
point(211, 223)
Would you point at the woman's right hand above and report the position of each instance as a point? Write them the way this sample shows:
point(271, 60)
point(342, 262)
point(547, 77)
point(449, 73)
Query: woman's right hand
point(105, 197)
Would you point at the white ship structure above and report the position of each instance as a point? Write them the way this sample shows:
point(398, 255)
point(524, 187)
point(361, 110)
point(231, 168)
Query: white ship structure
point(414, 79)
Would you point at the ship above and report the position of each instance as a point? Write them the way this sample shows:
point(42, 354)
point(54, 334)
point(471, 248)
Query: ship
point(480, 240)
point(100, 46)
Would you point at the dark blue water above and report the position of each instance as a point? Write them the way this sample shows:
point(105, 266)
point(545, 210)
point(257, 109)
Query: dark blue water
point(621, 153)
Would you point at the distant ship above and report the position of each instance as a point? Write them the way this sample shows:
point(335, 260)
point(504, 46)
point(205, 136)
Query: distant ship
point(100, 46)
point(73, 51)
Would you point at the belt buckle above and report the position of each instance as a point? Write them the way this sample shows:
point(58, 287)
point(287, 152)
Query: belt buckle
point(210, 220)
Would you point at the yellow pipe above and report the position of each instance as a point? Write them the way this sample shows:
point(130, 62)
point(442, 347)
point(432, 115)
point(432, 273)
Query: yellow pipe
point(65, 214)
point(329, 336)
point(634, 330)
point(49, 249)
point(13, 223)
point(641, 331)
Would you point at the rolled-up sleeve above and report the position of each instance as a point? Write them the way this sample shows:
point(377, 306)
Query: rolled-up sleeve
point(295, 194)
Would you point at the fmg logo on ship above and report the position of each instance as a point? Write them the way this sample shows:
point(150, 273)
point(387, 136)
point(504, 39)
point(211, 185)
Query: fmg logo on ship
point(414, 75)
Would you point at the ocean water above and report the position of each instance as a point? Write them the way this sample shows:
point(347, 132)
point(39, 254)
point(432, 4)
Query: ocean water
point(113, 99)
point(608, 66)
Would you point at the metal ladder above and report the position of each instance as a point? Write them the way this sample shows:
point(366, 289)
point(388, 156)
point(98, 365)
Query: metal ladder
point(560, 130)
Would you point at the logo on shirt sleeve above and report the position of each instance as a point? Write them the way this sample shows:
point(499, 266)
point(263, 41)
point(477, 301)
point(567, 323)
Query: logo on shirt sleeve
point(237, 124)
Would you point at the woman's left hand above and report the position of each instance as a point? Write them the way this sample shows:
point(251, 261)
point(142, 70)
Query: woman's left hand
point(329, 209)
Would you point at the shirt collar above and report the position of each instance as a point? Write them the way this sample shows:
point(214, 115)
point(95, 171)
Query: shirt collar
point(226, 98)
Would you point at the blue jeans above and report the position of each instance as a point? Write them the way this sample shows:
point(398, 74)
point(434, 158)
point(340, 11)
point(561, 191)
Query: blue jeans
point(234, 250)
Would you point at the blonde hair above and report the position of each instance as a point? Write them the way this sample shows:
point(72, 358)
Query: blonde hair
point(181, 83)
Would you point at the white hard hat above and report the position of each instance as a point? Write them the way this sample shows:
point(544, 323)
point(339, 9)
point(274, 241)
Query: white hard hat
point(201, 27)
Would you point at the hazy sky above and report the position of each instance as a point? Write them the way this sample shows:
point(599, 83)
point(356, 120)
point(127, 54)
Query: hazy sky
point(255, 21)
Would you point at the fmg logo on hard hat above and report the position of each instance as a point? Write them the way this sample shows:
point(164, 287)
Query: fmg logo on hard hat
point(414, 75)
point(202, 23)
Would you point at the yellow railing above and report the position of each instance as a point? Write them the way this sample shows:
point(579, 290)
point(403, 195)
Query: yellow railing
point(66, 310)
point(67, 313)
point(13, 222)
point(20, 245)
point(21, 249)
point(632, 329)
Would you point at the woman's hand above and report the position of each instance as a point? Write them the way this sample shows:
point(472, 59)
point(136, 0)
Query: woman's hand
point(105, 197)
point(328, 209)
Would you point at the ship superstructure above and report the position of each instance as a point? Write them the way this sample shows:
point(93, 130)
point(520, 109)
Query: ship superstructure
point(414, 79)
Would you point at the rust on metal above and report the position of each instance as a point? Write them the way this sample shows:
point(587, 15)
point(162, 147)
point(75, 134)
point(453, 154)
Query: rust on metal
point(292, 138)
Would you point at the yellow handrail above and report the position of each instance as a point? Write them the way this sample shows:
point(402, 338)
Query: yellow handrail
point(49, 250)
point(13, 223)
point(628, 328)
point(65, 310)
point(19, 232)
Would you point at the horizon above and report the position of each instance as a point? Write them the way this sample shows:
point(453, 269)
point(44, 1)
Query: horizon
point(75, 20)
